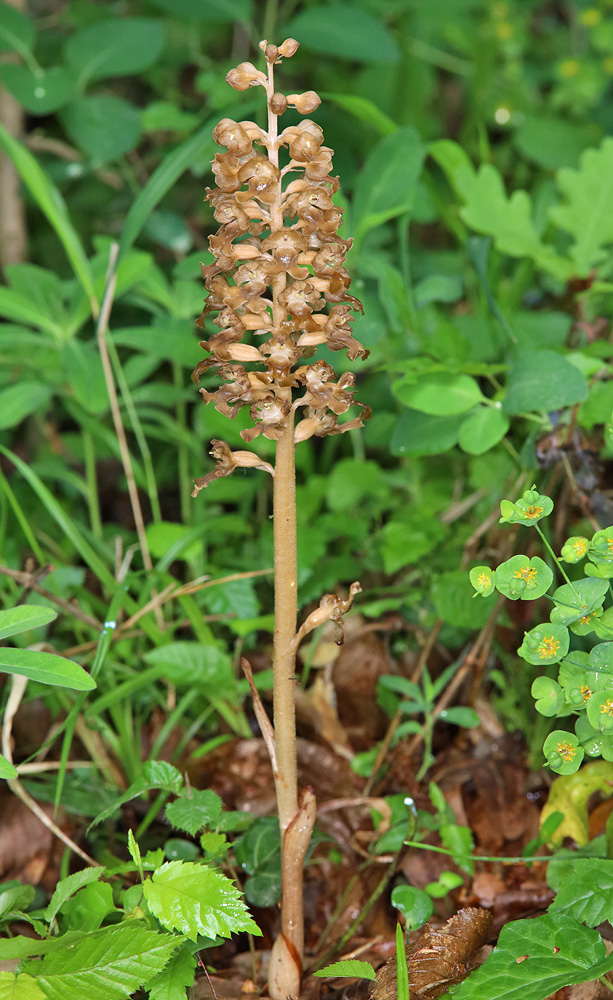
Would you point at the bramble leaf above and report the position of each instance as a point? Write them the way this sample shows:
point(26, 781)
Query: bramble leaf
point(202, 809)
point(349, 967)
point(193, 899)
point(588, 895)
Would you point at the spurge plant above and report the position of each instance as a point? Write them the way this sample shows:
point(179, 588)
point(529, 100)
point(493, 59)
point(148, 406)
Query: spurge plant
point(279, 262)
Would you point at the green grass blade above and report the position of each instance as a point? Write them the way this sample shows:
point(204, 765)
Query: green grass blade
point(87, 553)
point(168, 172)
point(402, 971)
point(51, 203)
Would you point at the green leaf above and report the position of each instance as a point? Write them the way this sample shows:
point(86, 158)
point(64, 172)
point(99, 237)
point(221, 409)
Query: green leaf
point(452, 595)
point(460, 715)
point(21, 399)
point(578, 600)
point(7, 770)
point(16, 30)
point(108, 964)
point(600, 710)
point(85, 375)
point(554, 142)
point(194, 900)
point(114, 48)
point(414, 904)
point(192, 814)
point(483, 580)
point(172, 982)
point(402, 972)
point(40, 91)
point(46, 668)
point(213, 11)
point(482, 430)
point(588, 896)
point(67, 887)
point(344, 31)
point(439, 395)
point(104, 127)
point(19, 987)
point(459, 840)
point(352, 481)
point(543, 380)
point(386, 185)
point(87, 909)
point(588, 212)
point(548, 695)
point(51, 203)
point(364, 109)
point(418, 433)
point(350, 967)
point(563, 753)
point(165, 338)
point(189, 663)
point(23, 618)
point(545, 643)
point(523, 578)
point(17, 306)
point(536, 957)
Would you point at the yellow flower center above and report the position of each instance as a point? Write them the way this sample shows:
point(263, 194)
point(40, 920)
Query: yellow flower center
point(580, 546)
point(483, 580)
point(533, 511)
point(548, 647)
point(567, 751)
point(610, 544)
point(586, 692)
point(608, 708)
point(525, 573)
point(585, 619)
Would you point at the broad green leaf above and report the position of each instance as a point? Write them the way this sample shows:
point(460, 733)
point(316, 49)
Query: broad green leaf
point(85, 376)
point(548, 695)
point(459, 715)
point(344, 31)
point(213, 11)
point(172, 982)
point(418, 433)
point(351, 967)
point(18, 307)
point(438, 288)
point(103, 126)
point(439, 395)
point(452, 594)
point(459, 840)
point(89, 907)
point(162, 536)
point(386, 185)
point(522, 578)
point(545, 643)
point(165, 338)
point(51, 203)
point(543, 380)
point(414, 904)
point(482, 430)
point(40, 91)
point(16, 30)
point(577, 600)
point(364, 109)
point(67, 887)
point(569, 795)
point(536, 957)
point(588, 895)
point(405, 542)
point(15, 896)
point(114, 48)
point(7, 770)
point(351, 481)
point(190, 663)
point(20, 399)
point(588, 212)
point(194, 900)
point(554, 142)
point(155, 774)
point(24, 617)
point(200, 810)
point(163, 116)
point(19, 987)
point(107, 965)
point(46, 668)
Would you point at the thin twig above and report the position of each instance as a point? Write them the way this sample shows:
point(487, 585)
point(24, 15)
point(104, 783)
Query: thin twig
point(18, 687)
point(28, 580)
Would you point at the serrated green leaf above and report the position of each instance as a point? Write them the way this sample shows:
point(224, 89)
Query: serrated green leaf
point(588, 212)
point(534, 958)
point(588, 895)
point(194, 813)
point(349, 967)
point(19, 987)
point(108, 964)
point(171, 983)
point(193, 899)
point(67, 887)
point(24, 617)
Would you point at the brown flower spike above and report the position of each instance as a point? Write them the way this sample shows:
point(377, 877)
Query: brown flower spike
point(278, 289)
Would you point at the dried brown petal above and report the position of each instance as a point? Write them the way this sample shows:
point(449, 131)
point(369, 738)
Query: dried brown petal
point(229, 133)
point(245, 75)
point(304, 103)
point(227, 462)
point(289, 47)
point(278, 104)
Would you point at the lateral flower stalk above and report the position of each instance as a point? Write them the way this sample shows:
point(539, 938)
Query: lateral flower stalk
point(278, 289)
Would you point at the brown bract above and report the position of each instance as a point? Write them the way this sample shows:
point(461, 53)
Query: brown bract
point(278, 274)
